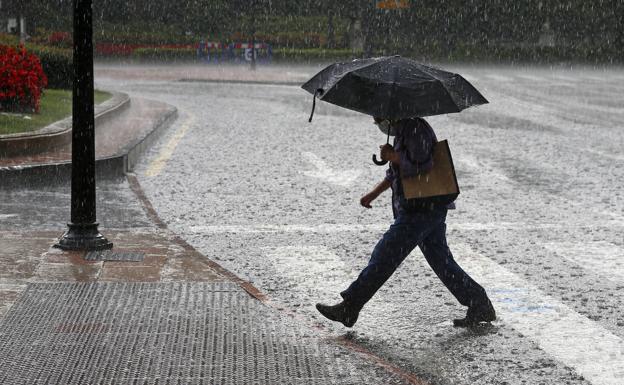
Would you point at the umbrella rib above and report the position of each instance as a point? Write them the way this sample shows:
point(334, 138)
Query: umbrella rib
point(393, 91)
point(351, 72)
point(448, 94)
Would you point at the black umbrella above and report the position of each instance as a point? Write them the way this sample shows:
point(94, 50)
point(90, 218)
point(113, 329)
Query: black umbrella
point(392, 87)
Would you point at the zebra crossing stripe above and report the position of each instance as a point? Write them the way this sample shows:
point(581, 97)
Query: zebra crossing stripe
point(576, 341)
point(603, 258)
point(328, 228)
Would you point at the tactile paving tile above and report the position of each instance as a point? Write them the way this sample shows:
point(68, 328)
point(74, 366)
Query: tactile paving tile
point(158, 333)
point(109, 255)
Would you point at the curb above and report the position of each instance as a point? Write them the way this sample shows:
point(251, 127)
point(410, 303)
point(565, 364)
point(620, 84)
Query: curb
point(58, 133)
point(110, 168)
point(257, 294)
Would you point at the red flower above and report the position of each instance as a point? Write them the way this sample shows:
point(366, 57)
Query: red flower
point(60, 39)
point(21, 79)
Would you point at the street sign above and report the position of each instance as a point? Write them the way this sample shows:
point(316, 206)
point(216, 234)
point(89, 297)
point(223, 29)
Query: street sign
point(248, 53)
point(393, 4)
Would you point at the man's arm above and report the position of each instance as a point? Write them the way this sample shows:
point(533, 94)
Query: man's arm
point(371, 196)
point(415, 157)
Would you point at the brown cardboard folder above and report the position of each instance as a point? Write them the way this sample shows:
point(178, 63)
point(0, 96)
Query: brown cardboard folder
point(438, 185)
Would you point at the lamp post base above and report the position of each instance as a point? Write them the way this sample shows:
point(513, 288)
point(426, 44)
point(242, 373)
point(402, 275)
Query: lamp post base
point(83, 237)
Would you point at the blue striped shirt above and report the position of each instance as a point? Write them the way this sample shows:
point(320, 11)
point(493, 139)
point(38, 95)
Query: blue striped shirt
point(414, 144)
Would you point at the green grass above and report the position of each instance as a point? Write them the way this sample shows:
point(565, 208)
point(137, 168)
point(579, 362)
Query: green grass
point(55, 105)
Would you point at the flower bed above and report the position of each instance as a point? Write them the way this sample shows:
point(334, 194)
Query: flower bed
point(314, 55)
point(21, 80)
point(125, 49)
point(60, 39)
point(165, 54)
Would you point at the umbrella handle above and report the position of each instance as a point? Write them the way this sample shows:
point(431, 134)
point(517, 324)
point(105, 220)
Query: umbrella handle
point(318, 92)
point(378, 162)
point(381, 162)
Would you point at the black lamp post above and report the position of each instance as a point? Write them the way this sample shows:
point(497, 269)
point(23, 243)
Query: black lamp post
point(83, 231)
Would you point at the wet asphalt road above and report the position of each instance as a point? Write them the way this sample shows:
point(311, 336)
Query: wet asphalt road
point(250, 183)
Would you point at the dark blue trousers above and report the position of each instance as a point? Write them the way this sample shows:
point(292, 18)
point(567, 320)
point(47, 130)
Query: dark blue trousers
point(426, 230)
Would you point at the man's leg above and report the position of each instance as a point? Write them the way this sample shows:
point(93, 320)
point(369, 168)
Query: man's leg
point(390, 251)
point(438, 255)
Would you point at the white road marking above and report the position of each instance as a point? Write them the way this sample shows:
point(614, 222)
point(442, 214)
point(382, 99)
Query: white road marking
point(6, 216)
point(575, 340)
point(325, 228)
point(566, 79)
point(472, 164)
point(602, 257)
point(595, 78)
point(532, 78)
point(156, 166)
point(11, 286)
point(299, 262)
point(604, 154)
point(500, 78)
point(328, 228)
point(324, 172)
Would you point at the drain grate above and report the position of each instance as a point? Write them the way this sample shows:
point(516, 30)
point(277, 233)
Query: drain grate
point(158, 333)
point(109, 255)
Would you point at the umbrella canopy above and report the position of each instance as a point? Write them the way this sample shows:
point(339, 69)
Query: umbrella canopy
point(393, 87)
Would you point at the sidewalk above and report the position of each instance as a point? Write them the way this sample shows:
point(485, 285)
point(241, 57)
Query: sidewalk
point(173, 317)
point(167, 315)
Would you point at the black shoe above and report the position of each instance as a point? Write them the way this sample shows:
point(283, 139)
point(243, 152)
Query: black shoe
point(342, 312)
point(476, 314)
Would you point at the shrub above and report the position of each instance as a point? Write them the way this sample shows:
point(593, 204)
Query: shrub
point(165, 54)
point(285, 39)
point(127, 50)
point(21, 79)
point(526, 53)
point(8, 39)
point(115, 50)
point(60, 39)
point(149, 33)
point(314, 55)
point(57, 63)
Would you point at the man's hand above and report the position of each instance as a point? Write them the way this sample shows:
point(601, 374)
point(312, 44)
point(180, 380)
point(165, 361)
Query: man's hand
point(367, 199)
point(371, 196)
point(387, 153)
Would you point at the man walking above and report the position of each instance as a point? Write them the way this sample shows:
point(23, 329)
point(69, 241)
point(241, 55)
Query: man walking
point(410, 154)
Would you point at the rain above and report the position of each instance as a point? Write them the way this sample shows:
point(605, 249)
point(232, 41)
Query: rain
point(191, 192)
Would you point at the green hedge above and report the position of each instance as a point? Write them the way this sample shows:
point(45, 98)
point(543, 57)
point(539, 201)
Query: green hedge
point(165, 54)
point(8, 39)
point(279, 55)
point(467, 53)
point(56, 63)
point(525, 54)
point(143, 34)
point(314, 55)
point(586, 54)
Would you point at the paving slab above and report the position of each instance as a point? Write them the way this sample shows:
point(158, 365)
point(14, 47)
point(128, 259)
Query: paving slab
point(173, 318)
point(192, 333)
